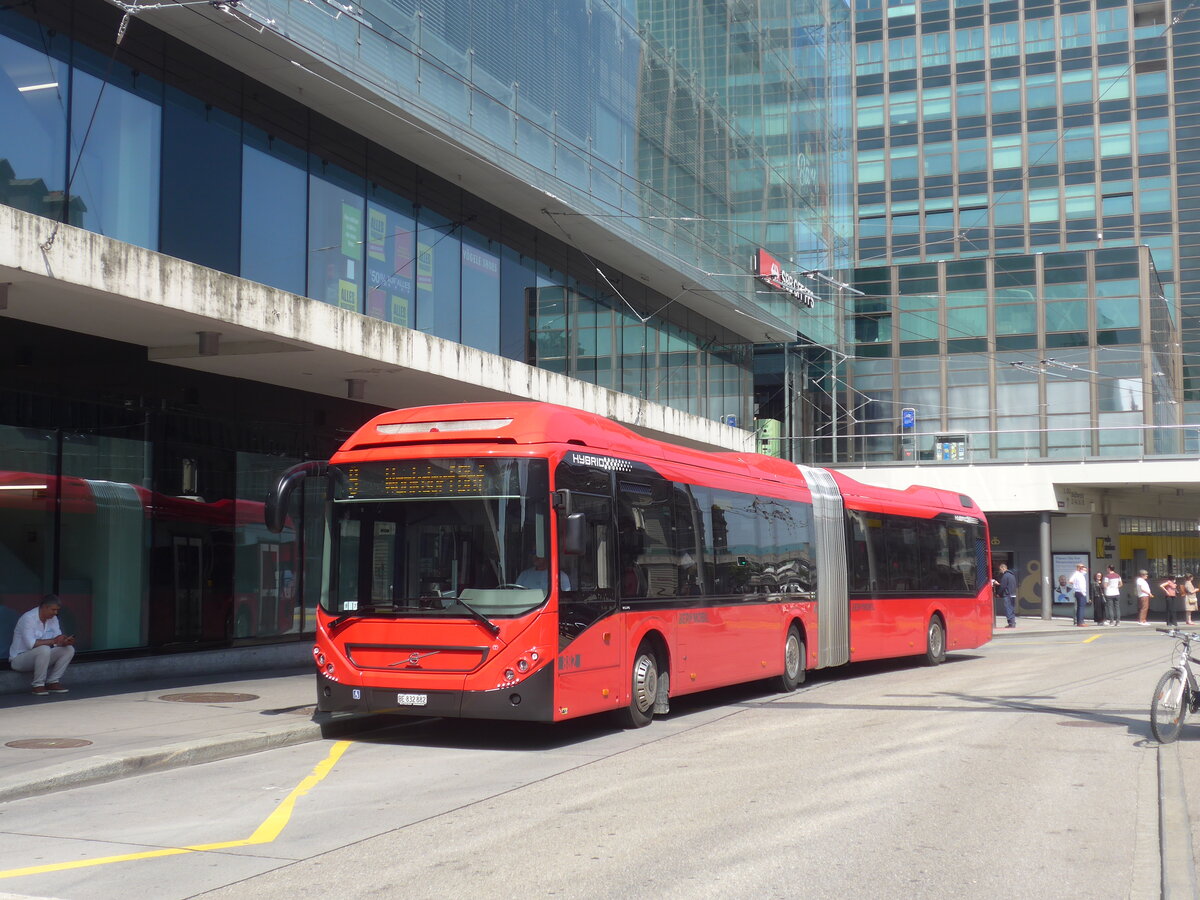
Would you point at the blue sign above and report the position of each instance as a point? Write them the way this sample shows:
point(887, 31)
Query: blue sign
point(731, 421)
point(908, 417)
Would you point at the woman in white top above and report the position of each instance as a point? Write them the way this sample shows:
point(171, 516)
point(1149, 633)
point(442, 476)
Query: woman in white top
point(1189, 597)
point(1112, 596)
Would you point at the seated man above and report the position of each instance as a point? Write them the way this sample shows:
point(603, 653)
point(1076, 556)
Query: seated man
point(40, 647)
point(536, 576)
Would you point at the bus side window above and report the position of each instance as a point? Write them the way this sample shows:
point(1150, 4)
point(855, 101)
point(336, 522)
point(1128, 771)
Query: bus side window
point(591, 573)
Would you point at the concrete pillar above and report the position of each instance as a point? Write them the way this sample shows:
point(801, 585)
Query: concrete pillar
point(1047, 565)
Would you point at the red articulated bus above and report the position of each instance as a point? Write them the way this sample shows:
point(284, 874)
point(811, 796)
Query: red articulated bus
point(529, 561)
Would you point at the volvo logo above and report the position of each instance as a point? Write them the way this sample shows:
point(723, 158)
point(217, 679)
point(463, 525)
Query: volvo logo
point(414, 659)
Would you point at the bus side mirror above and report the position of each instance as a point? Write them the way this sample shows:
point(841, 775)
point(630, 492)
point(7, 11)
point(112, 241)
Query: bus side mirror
point(276, 507)
point(574, 535)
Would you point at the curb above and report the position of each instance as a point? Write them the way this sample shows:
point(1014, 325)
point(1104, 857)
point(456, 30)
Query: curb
point(238, 661)
point(99, 769)
point(1175, 830)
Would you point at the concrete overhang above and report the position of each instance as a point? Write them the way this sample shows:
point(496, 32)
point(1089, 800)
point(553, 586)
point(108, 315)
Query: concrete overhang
point(433, 141)
point(1168, 488)
point(94, 285)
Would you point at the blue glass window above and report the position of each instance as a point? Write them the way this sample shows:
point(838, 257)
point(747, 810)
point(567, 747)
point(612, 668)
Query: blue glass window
point(33, 139)
point(201, 203)
point(1066, 316)
point(518, 278)
point(1118, 312)
point(391, 257)
point(439, 276)
point(1077, 87)
point(274, 197)
point(1118, 205)
point(117, 181)
point(1016, 318)
point(480, 292)
point(335, 236)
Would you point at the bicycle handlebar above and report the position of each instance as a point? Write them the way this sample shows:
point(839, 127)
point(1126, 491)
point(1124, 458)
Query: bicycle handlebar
point(1187, 636)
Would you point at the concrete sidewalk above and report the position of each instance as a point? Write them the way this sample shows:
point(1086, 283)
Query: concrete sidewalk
point(105, 731)
point(101, 732)
point(1028, 624)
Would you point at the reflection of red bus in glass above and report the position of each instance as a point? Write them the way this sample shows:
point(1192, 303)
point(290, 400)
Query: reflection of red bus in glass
point(140, 568)
point(528, 561)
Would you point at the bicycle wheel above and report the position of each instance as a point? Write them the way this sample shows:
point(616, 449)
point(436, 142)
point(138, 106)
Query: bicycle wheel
point(1169, 707)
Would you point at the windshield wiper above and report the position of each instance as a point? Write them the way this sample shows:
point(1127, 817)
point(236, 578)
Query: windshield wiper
point(352, 614)
point(361, 612)
point(479, 617)
point(349, 615)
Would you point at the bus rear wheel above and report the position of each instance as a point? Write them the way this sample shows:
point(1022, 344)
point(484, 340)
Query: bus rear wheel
point(794, 660)
point(643, 689)
point(935, 645)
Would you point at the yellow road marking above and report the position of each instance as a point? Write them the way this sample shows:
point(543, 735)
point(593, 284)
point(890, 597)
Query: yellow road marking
point(1012, 642)
point(268, 831)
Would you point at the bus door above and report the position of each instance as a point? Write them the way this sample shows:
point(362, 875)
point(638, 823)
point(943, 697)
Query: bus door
point(591, 639)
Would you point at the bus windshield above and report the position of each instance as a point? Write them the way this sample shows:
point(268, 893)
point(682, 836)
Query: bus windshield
point(457, 537)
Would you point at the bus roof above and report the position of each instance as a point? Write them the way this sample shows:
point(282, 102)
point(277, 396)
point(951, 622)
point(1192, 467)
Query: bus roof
point(517, 423)
point(529, 422)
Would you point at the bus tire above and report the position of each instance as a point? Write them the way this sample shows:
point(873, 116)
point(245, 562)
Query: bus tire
point(794, 661)
point(643, 688)
point(935, 643)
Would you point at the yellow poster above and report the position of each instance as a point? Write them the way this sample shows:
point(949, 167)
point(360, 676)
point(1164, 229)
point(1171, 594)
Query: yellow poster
point(348, 295)
point(400, 311)
point(424, 267)
point(376, 234)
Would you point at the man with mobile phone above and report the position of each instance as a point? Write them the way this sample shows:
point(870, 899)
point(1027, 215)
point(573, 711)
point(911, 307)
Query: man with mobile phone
point(40, 647)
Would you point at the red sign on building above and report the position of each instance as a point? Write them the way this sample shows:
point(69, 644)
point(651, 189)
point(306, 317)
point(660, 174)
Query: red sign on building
point(769, 271)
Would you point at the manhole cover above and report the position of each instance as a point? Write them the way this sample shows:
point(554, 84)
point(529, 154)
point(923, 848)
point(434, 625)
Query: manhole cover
point(209, 697)
point(49, 744)
point(1074, 723)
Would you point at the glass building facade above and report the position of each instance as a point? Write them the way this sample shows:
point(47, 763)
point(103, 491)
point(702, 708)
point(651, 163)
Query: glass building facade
point(1065, 355)
point(694, 147)
point(1024, 167)
point(691, 133)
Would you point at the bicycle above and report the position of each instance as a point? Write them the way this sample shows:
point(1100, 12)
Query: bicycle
point(1177, 692)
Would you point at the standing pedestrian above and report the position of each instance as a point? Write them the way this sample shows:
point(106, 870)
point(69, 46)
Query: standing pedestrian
point(1079, 586)
point(1112, 596)
point(1008, 593)
point(1189, 597)
point(1097, 598)
point(1170, 589)
point(1143, 596)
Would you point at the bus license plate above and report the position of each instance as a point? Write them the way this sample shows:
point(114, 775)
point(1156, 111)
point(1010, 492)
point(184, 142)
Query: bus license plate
point(412, 699)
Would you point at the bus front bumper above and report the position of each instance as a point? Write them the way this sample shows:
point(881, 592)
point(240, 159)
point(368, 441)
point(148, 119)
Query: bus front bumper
point(530, 700)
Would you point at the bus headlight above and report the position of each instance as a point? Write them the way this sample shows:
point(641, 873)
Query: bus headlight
point(522, 665)
point(509, 674)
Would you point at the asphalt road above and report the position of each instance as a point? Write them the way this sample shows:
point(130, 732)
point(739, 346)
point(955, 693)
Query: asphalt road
point(1024, 768)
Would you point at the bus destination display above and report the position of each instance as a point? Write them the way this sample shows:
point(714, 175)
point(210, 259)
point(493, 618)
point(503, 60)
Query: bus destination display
point(427, 478)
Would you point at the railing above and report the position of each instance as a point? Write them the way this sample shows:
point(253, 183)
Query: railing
point(1082, 444)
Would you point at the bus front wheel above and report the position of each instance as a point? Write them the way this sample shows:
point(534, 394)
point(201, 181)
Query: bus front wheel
point(935, 645)
point(643, 689)
point(794, 661)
